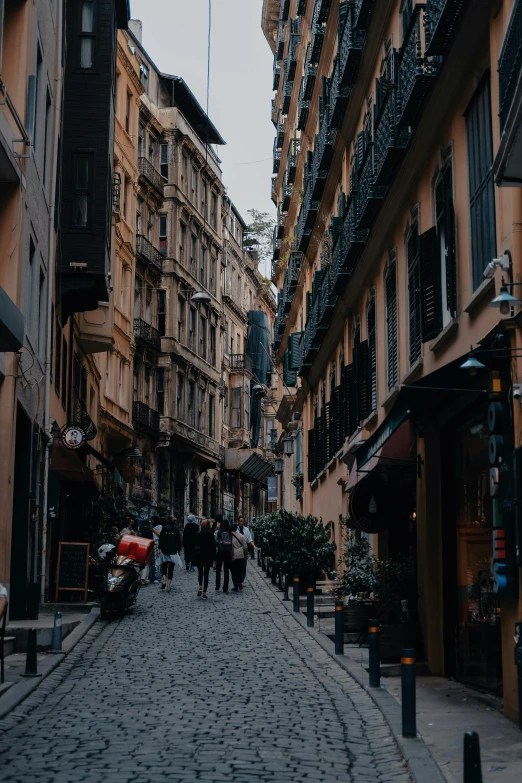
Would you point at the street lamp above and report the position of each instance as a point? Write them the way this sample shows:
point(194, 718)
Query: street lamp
point(201, 296)
point(279, 466)
point(472, 364)
point(288, 446)
point(505, 301)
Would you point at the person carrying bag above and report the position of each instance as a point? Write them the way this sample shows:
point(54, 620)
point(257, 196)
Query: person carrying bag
point(239, 553)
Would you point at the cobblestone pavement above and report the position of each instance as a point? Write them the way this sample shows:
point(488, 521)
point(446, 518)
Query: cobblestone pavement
point(228, 690)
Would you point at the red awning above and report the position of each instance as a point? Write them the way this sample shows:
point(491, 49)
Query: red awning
point(400, 448)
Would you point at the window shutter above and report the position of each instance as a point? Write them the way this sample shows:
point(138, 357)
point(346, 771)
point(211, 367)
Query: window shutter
point(326, 432)
point(430, 284)
point(343, 14)
point(235, 408)
point(336, 419)
point(316, 285)
point(295, 351)
point(350, 400)
point(289, 375)
point(311, 455)
point(363, 381)
point(308, 304)
point(414, 311)
point(392, 351)
point(451, 249)
point(337, 224)
point(372, 346)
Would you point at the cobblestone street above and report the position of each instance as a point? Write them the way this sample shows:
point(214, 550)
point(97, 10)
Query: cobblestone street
point(230, 689)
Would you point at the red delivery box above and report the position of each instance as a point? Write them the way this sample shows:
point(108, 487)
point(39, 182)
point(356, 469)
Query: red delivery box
point(137, 548)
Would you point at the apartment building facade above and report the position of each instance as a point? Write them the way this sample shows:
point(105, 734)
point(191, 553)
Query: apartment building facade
point(388, 137)
point(29, 121)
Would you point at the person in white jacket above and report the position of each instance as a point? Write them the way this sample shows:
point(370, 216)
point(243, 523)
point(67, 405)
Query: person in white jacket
point(239, 555)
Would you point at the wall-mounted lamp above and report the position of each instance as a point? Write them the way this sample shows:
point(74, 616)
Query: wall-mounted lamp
point(279, 466)
point(505, 301)
point(288, 446)
point(472, 364)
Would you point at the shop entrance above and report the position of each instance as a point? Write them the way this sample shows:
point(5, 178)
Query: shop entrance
point(472, 637)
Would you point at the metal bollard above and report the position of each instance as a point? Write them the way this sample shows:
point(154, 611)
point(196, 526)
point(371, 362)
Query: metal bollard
point(339, 628)
point(310, 607)
point(31, 661)
point(408, 696)
point(472, 765)
point(286, 597)
point(296, 593)
point(258, 553)
point(274, 574)
point(56, 646)
point(268, 566)
point(375, 653)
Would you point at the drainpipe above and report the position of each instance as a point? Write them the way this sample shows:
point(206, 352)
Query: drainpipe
point(51, 268)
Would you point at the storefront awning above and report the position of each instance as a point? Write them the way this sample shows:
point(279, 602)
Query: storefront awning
point(257, 467)
point(395, 447)
point(67, 463)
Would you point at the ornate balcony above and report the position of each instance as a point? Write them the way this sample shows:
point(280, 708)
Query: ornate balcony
point(351, 42)
point(389, 140)
point(240, 362)
point(301, 7)
point(149, 173)
point(280, 224)
point(349, 246)
point(277, 159)
point(319, 17)
point(323, 154)
point(327, 298)
point(363, 10)
point(280, 134)
point(309, 75)
point(442, 18)
point(285, 10)
point(371, 195)
point(277, 75)
point(304, 108)
point(147, 333)
point(293, 151)
point(287, 96)
point(276, 245)
point(306, 220)
point(287, 194)
point(143, 416)
point(510, 65)
point(148, 252)
point(292, 274)
point(295, 40)
point(416, 71)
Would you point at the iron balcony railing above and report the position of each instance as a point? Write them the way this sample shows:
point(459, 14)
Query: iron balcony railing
point(295, 40)
point(143, 416)
point(306, 220)
point(301, 7)
point(510, 64)
point(323, 153)
point(351, 42)
point(442, 18)
point(327, 298)
point(349, 245)
point(303, 107)
point(146, 250)
point(389, 140)
point(280, 135)
point(416, 71)
point(371, 195)
point(318, 29)
point(280, 223)
point(287, 193)
point(276, 245)
point(147, 333)
point(147, 170)
point(240, 361)
point(287, 96)
point(277, 159)
point(277, 75)
point(285, 10)
point(293, 152)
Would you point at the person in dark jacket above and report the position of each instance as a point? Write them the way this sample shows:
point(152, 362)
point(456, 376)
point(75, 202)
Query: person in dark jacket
point(205, 547)
point(223, 538)
point(169, 546)
point(189, 539)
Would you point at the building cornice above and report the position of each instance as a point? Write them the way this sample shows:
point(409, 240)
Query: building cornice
point(135, 79)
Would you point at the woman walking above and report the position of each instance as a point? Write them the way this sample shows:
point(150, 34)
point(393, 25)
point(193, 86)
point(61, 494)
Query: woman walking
point(169, 546)
point(146, 532)
point(223, 538)
point(239, 553)
point(204, 553)
point(189, 539)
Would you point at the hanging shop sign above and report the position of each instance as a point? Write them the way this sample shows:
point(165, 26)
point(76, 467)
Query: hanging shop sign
point(369, 506)
point(73, 436)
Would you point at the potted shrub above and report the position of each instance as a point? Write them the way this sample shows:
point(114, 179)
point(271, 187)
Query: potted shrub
point(358, 581)
point(396, 592)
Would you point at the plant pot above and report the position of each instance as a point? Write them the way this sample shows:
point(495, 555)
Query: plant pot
point(355, 618)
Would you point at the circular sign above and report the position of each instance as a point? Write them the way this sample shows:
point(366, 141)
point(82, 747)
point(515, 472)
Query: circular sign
point(73, 437)
point(369, 505)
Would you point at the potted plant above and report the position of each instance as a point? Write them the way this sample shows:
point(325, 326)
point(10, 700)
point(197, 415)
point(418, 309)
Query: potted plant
point(396, 593)
point(358, 580)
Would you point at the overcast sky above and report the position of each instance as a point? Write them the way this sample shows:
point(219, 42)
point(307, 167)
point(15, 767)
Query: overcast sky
point(175, 36)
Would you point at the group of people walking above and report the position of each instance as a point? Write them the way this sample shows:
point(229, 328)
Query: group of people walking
point(222, 545)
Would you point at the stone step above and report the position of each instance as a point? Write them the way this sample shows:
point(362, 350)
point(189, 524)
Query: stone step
point(44, 633)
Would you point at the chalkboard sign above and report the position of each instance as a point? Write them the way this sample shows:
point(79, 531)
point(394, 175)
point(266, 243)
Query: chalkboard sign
point(73, 568)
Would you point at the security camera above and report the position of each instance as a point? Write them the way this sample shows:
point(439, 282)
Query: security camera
point(517, 391)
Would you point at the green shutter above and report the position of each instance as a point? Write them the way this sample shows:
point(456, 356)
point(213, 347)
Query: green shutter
point(289, 376)
point(295, 350)
point(430, 284)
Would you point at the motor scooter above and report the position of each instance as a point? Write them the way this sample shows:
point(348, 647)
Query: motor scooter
point(120, 586)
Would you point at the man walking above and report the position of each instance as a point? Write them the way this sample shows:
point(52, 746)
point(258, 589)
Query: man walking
point(190, 533)
point(244, 531)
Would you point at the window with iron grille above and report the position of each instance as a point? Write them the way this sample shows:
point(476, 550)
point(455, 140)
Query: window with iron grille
point(481, 187)
point(414, 301)
point(392, 343)
point(372, 352)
